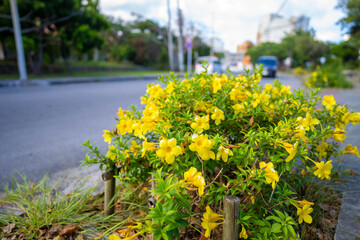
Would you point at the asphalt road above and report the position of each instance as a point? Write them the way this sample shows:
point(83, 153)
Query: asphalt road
point(43, 127)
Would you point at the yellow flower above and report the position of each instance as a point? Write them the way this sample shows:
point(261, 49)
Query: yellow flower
point(355, 118)
point(200, 124)
point(168, 150)
point(155, 91)
point(323, 169)
point(210, 221)
point(301, 133)
point(193, 177)
point(304, 214)
point(271, 176)
point(170, 87)
point(111, 153)
point(134, 146)
point(202, 145)
point(202, 81)
point(321, 149)
point(310, 121)
point(218, 115)
point(121, 112)
point(216, 84)
point(114, 237)
point(339, 135)
point(147, 146)
point(107, 136)
point(304, 202)
point(237, 94)
point(264, 98)
point(268, 88)
point(328, 102)
point(351, 149)
point(346, 118)
point(256, 100)
point(239, 108)
point(200, 106)
point(144, 99)
point(291, 149)
point(125, 126)
point(286, 89)
point(137, 128)
point(223, 153)
point(243, 233)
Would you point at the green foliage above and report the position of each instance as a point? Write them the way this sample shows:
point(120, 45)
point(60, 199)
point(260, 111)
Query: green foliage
point(267, 49)
point(329, 75)
point(54, 28)
point(300, 46)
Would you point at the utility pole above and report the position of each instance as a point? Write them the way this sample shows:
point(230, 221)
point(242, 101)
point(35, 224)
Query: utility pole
point(18, 41)
point(180, 39)
point(170, 40)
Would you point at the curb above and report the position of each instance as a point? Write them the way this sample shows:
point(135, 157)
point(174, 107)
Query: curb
point(72, 80)
point(348, 225)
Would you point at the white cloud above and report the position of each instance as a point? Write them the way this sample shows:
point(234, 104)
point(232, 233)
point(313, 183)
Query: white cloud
point(234, 21)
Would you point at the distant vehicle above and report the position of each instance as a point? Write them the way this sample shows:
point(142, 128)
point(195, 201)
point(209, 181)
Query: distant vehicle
point(213, 63)
point(235, 67)
point(239, 67)
point(270, 65)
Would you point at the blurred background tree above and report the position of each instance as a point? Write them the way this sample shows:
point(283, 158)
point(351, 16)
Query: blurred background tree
point(46, 25)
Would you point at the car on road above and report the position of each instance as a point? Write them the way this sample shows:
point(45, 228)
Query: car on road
point(212, 62)
point(270, 65)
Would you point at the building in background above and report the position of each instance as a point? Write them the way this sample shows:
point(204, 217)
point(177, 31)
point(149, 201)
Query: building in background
point(216, 44)
point(242, 48)
point(274, 27)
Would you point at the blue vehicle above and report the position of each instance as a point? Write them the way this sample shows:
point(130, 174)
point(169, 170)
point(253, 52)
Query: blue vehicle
point(270, 65)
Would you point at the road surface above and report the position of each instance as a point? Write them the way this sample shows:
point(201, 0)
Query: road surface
point(43, 127)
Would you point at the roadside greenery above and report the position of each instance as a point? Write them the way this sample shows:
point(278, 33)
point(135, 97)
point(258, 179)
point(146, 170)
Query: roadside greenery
point(209, 136)
point(301, 46)
point(329, 75)
point(31, 210)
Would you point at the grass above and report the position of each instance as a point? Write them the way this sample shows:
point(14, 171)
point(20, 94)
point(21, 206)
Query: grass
point(37, 211)
point(327, 203)
point(104, 64)
point(88, 74)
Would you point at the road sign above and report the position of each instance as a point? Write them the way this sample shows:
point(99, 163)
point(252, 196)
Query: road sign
point(188, 42)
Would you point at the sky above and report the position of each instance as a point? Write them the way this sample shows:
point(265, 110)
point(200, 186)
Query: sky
point(233, 21)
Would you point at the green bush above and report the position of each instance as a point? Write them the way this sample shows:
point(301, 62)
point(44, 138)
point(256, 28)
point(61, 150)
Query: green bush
point(330, 75)
point(209, 136)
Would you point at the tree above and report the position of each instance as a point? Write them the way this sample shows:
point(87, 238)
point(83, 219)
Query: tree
point(351, 22)
point(61, 22)
point(267, 49)
point(302, 47)
point(140, 41)
point(347, 52)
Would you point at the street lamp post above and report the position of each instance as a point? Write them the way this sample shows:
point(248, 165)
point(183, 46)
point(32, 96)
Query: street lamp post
point(18, 41)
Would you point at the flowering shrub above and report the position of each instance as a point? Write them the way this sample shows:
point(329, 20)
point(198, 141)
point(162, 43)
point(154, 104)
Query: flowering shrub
point(209, 136)
point(328, 77)
point(300, 71)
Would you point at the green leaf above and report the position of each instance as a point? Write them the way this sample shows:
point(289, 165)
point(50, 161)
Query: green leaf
point(276, 228)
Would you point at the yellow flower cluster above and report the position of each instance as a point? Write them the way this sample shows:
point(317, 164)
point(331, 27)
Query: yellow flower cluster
point(210, 221)
point(271, 176)
point(195, 178)
point(234, 134)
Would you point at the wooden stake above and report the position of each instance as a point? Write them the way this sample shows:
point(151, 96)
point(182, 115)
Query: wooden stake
point(231, 215)
point(109, 193)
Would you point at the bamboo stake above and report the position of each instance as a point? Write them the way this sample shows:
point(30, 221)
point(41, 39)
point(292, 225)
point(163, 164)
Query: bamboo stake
point(109, 193)
point(231, 215)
